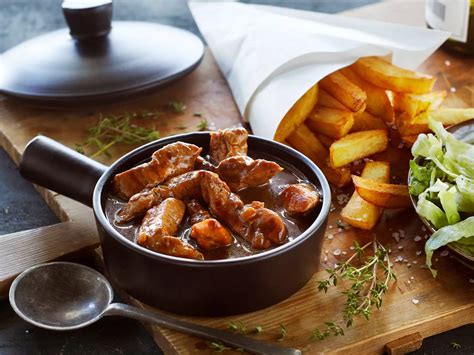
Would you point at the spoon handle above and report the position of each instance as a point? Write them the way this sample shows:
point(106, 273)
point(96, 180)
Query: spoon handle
point(235, 340)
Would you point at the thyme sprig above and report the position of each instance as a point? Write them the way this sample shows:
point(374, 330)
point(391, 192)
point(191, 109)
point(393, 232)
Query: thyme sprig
point(366, 290)
point(112, 130)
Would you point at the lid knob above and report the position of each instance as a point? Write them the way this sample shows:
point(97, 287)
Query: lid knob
point(88, 19)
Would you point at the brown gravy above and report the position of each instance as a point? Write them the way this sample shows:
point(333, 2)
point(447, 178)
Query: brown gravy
point(268, 193)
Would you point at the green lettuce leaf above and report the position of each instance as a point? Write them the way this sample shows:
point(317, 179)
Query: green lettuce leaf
point(459, 155)
point(446, 235)
point(420, 177)
point(465, 196)
point(449, 204)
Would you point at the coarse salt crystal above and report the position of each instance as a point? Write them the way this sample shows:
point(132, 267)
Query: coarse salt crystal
point(344, 253)
point(408, 265)
point(405, 261)
point(415, 262)
point(412, 277)
point(418, 252)
point(330, 237)
point(415, 301)
point(399, 259)
point(417, 238)
point(326, 251)
point(337, 252)
point(400, 146)
point(471, 281)
point(447, 63)
point(408, 282)
point(444, 253)
point(396, 235)
point(325, 258)
point(400, 247)
point(452, 89)
point(351, 247)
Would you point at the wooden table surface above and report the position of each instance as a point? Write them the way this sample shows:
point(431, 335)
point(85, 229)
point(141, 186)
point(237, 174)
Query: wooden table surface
point(142, 337)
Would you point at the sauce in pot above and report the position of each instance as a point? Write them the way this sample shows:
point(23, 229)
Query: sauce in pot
point(268, 193)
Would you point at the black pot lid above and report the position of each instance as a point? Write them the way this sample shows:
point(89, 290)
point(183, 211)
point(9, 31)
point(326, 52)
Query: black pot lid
point(101, 61)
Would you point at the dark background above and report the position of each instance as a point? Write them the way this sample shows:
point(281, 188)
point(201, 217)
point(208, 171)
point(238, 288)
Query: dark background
point(22, 208)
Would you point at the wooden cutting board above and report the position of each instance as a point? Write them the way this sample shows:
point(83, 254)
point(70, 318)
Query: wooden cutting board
point(443, 303)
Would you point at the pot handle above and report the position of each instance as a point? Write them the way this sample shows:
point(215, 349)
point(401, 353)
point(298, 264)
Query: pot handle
point(50, 164)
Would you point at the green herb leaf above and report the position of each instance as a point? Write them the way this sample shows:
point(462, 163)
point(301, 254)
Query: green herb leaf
point(217, 346)
point(455, 345)
point(113, 130)
point(203, 125)
point(283, 333)
point(177, 106)
point(365, 289)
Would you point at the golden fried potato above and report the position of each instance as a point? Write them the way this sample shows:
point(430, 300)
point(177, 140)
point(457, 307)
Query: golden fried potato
point(357, 146)
point(345, 91)
point(358, 212)
point(326, 100)
point(330, 121)
point(382, 194)
point(339, 177)
point(378, 103)
point(325, 140)
point(297, 114)
point(451, 116)
point(390, 77)
point(303, 140)
point(364, 121)
point(414, 104)
point(408, 126)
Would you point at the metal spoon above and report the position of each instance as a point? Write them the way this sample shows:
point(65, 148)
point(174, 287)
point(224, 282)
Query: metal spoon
point(66, 296)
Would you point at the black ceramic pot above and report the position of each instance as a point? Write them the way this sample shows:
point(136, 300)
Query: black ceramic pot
point(191, 287)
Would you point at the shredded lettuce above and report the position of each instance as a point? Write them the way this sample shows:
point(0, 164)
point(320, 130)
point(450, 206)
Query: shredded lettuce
point(442, 179)
point(448, 234)
point(448, 202)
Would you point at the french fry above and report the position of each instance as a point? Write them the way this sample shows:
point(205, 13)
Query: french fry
point(346, 92)
point(339, 177)
point(326, 100)
point(356, 146)
point(378, 103)
point(408, 126)
point(365, 121)
point(303, 140)
point(330, 121)
point(358, 212)
point(451, 116)
point(390, 77)
point(414, 104)
point(382, 194)
point(325, 140)
point(297, 114)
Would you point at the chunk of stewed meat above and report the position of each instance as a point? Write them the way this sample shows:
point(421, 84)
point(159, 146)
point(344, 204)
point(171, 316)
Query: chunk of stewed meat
point(300, 199)
point(171, 160)
point(210, 234)
point(228, 143)
point(159, 226)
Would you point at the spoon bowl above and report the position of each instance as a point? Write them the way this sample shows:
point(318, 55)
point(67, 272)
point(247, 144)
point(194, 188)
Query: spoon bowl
point(60, 295)
point(67, 296)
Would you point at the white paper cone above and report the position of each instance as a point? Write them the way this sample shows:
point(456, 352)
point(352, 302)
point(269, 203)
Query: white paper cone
point(271, 56)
